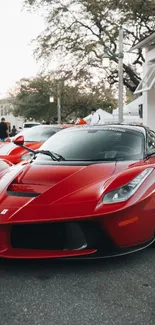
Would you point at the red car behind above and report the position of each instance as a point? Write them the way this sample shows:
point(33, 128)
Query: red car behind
point(34, 137)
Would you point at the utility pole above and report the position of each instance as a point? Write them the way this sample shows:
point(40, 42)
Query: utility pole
point(120, 75)
point(59, 102)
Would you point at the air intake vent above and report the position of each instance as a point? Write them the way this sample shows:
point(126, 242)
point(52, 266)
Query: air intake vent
point(22, 194)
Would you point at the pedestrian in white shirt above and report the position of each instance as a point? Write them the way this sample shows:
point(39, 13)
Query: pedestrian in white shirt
point(94, 117)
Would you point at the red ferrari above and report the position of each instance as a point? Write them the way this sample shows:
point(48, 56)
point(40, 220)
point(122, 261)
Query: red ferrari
point(33, 138)
point(89, 192)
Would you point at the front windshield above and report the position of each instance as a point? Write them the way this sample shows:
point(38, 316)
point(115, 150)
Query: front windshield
point(38, 133)
point(96, 145)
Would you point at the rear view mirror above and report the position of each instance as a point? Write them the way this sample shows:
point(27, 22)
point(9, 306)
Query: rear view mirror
point(19, 140)
point(8, 140)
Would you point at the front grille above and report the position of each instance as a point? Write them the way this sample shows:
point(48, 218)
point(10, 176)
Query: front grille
point(38, 236)
point(59, 236)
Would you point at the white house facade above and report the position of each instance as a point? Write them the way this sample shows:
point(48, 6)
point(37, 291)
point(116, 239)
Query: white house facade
point(131, 111)
point(147, 85)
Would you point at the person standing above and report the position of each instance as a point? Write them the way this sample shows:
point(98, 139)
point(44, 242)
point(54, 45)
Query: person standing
point(4, 132)
point(13, 131)
point(94, 118)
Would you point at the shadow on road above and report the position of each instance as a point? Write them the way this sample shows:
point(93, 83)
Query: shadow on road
point(48, 266)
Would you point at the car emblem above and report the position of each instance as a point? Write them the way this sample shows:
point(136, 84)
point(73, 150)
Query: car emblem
point(4, 211)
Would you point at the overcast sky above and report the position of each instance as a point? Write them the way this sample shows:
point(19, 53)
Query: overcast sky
point(17, 29)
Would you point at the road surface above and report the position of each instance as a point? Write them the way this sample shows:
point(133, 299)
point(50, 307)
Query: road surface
point(118, 291)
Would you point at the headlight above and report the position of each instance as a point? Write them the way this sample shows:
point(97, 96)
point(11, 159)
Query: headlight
point(27, 156)
point(123, 193)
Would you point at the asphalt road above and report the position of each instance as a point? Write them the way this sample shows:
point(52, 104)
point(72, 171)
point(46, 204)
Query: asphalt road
point(118, 291)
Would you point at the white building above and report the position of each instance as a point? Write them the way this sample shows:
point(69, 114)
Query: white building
point(147, 85)
point(130, 111)
point(6, 111)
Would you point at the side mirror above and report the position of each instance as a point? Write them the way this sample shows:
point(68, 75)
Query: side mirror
point(8, 140)
point(19, 141)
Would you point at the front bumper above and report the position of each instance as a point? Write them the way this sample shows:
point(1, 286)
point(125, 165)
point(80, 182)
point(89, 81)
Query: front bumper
point(80, 239)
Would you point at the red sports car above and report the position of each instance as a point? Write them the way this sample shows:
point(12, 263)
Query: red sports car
point(33, 137)
point(88, 192)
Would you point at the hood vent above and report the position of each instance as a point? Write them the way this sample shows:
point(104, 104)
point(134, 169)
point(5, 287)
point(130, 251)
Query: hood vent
point(19, 190)
point(22, 194)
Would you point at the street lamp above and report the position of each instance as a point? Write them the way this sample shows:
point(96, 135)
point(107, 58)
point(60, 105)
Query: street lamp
point(58, 102)
point(51, 99)
point(120, 56)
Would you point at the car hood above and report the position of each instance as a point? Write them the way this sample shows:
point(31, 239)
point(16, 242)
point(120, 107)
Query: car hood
point(33, 193)
point(11, 149)
point(6, 147)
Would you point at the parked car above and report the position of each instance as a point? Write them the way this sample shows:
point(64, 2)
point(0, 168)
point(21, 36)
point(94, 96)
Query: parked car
point(27, 125)
point(33, 137)
point(88, 192)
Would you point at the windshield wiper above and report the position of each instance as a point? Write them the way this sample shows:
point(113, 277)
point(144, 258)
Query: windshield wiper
point(55, 156)
point(149, 154)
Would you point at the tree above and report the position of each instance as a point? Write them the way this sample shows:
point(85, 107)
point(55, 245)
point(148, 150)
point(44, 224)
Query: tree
point(81, 31)
point(33, 98)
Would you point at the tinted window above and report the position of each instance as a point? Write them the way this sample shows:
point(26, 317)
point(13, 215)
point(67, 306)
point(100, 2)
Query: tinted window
point(96, 145)
point(150, 142)
point(39, 134)
point(27, 125)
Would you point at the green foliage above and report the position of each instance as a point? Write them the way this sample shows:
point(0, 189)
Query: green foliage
point(33, 99)
point(83, 30)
